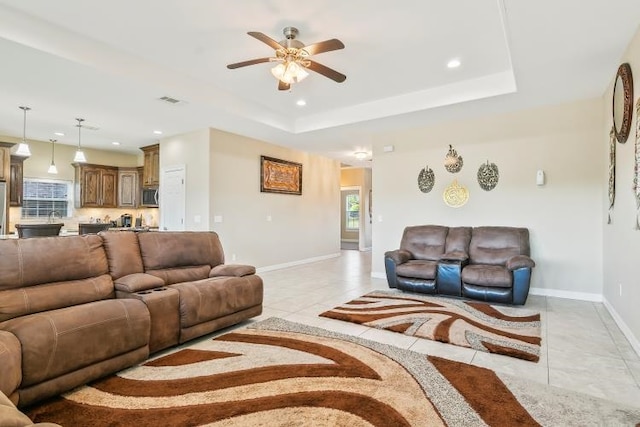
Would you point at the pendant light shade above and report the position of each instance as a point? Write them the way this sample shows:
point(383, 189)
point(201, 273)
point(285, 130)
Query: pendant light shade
point(52, 168)
point(23, 148)
point(79, 157)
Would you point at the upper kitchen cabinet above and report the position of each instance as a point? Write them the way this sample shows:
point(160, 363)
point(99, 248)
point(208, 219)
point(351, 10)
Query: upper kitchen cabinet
point(15, 181)
point(5, 154)
point(151, 168)
point(96, 186)
point(128, 187)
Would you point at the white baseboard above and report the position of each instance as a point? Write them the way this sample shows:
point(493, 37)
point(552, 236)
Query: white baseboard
point(623, 326)
point(378, 275)
point(583, 296)
point(294, 263)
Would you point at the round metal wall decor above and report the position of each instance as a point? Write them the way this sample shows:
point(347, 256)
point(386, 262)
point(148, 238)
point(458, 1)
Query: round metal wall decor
point(426, 179)
point(488, 176)
point(452, 161)
point(455, 195)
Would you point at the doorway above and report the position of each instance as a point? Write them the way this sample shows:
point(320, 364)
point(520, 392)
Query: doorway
point(172, 198)
point(350, 217)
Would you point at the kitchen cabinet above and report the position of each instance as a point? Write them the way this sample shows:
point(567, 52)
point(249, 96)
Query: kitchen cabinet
point(5, 153)
point(128, 188)
point(15, 180)
point(96, 186)
point(151, 166)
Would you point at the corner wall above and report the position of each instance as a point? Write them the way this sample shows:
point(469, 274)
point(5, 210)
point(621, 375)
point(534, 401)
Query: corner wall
point(565, 217)
point(621, 239)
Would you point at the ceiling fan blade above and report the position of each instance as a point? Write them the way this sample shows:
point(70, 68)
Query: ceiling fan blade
point(245, 63)
point(265, 39)
point(326, 71)
point(325, 46)
point(283, 86)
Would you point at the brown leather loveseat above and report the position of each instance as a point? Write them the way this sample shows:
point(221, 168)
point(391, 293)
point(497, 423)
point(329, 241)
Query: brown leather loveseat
point(484, 263)
point(77, 308)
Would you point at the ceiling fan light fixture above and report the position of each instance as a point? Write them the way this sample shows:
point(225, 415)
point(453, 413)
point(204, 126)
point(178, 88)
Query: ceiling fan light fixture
point(289, 72)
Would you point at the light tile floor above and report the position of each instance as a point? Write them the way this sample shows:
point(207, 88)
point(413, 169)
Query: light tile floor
point(582, 347)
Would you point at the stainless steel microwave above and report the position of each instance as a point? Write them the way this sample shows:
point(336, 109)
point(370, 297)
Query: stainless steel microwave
point(150, 197)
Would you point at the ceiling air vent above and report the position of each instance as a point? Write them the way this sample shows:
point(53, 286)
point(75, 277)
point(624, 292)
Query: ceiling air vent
point(170, 100)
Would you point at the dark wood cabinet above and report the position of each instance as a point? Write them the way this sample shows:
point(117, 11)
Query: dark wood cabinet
point(96, 186)
point(151, 168)
point(128, 184)
point(15, 180)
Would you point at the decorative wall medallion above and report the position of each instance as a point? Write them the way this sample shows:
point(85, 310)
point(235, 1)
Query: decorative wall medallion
point(455, 195)
point(488, 176)
point(426, 179)
point(612, 171)
point(452, 161)
point(636, 168)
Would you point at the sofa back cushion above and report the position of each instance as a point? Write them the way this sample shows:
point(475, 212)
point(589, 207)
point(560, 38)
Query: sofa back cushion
point(458, 239)
point(169, 250)
point(123, 253)
point(495, 245)
point(29, 262)
point(425, 241)
point(51, 272)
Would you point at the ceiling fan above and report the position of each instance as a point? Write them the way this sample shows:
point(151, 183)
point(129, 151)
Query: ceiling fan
point(293, 58)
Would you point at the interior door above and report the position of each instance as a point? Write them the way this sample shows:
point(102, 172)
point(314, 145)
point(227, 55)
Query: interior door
point(172, 199)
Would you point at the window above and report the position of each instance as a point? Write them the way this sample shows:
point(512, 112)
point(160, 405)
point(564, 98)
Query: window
point(43, 196)
point(353, 211)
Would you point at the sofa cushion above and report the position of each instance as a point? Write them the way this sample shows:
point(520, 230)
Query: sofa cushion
point(123, 253)
point(237, 270)
point(458, 239)
point(28, 262)
point(10, 363)
point(138, 282)
point(60, 341)
point(212, 298)
point(425, 241)
point(50, 296)
point(418, 269)
point(487, 275)
point(182, 274)
point(495, 245)
point(176, 249)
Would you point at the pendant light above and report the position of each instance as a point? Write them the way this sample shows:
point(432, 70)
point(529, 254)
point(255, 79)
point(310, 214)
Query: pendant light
point(52, 167)
point(23, 148)
point(79, 157)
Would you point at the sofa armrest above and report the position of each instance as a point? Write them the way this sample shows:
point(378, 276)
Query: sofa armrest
point(520, 261)
point(10, 363)
point(399, 256)
point(235, 270)
point(11, 416)
point(137, 282)
point(455, 257)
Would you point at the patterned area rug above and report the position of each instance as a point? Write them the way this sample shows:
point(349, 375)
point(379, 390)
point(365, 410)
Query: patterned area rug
point(279, 373)
point(496, 329)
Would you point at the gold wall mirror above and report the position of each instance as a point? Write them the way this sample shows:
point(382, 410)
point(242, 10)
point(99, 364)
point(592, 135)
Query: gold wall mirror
point(623, 102)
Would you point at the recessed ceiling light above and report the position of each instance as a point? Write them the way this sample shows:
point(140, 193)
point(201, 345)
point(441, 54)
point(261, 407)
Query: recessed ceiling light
point(157, 132)
point(361, 155)
point(454, 63)
point(115, 143)
point(58, 133)
point(301, 103)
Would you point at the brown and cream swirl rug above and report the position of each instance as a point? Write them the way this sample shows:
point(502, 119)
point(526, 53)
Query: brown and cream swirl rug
point(511, 331)
point(279, 373)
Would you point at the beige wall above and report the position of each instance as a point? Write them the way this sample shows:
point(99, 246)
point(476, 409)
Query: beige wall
point(192, 151)
point(565, 216)
point(621, 239)
point(263, 229)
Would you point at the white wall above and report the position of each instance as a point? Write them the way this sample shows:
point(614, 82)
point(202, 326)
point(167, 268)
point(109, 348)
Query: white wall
point(565, 217)
point(621, 239)
point(300, 227)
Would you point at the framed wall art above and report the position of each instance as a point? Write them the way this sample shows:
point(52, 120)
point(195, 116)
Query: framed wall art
point(280, 176)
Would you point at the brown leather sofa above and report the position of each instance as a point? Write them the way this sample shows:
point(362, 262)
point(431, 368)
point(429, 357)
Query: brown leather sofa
point(76, 308)
point(485, 263)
